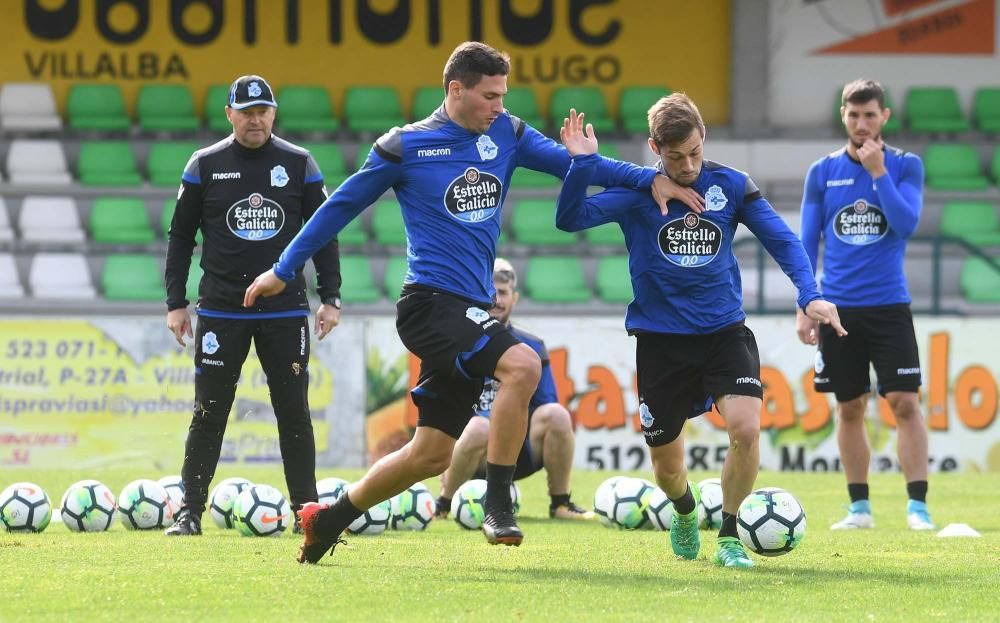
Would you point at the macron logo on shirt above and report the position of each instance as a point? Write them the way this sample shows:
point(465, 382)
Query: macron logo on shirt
point(229, 175)
point(430, 153)
point(834, 183)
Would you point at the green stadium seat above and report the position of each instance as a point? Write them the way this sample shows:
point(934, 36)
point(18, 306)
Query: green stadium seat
point(216, 100)
point(194, 278)
point(120, 220)
point(934, 109)
point(589, 100)
point(521, 103)
point(353, 233)
point(534, 222)
point(980, 282)
point(995, 166)
point(132, 277)
point(306, 109)
point(986, 109)
point(612, 280)
point(954, 167)
point(607, 235)
point(167, 161)
point(373, 109)
point(167, 215)
point(358, 284)
point(107, 163)
point(395, 273)
point(425, 101)
point(892, 126)
point(609, 150)
point(166, 107)
point(634, 105)
point(528, 178)
point(556, 280)
point(977, 222)
point(387, 223)
point(96, 107)
point(331, 163)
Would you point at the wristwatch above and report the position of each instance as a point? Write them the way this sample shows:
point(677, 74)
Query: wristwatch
point(333, 301)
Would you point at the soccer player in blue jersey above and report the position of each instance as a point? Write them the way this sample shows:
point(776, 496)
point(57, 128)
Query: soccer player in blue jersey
point(692, 346)
point(550, 441)
point(864, 201)
point(450, 173)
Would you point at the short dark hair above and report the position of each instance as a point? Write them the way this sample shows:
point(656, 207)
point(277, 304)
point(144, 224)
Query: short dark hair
point(471, 61)
point(673, 118)
point(862, 91)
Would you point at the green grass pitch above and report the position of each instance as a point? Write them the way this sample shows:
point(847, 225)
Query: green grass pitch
point(564, 571)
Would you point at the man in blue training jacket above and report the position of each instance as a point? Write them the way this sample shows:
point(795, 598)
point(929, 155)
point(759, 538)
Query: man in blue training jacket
point(692, 346)
point(864, 200)
point(450, 173)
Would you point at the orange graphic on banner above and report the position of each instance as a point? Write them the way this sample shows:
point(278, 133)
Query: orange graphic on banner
point(964, 29)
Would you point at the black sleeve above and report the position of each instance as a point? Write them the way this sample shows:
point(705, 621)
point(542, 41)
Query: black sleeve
point(327, 259)
point(181, 242)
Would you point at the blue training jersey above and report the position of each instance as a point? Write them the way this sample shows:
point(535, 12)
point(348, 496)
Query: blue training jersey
point(450, 184)
point(864, 224)
point(685, 278)
point(544, 394)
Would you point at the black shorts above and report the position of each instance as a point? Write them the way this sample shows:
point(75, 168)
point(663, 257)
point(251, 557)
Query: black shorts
point(459, 345)
point(679, 376)
point(880, 336)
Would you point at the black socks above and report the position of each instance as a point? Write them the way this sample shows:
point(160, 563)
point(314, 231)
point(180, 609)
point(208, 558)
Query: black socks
point(728, 525)
point(559, 500)
point(443, 505)
point(684, 504)
point(859, 491)
point(498, 481)
point(917, 490)
point(331, 522)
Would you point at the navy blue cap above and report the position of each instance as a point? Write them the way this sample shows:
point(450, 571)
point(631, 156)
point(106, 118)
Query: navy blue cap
point(249, 91)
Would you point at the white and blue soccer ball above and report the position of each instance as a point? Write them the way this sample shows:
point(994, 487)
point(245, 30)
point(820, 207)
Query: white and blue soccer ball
point(771, 522)
point(24, 507)
point(144, 504)
point(222, 498)
point(468, 504)
point(412, 509)
point(174, 487)
point(373, 521)
point(88, 506)
point(261, 510)
point(604, 501)
point(329, 489)
point(710, 509)
point(660, 510)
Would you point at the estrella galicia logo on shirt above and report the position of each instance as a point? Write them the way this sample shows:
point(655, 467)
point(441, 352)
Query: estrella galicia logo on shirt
point(474, 196)
point(690, 241)
point(255, 218)
point(488, 396)
point(860, 223)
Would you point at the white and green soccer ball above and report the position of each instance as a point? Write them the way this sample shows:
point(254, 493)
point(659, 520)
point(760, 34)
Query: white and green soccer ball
point(373, 521)
point(771, 522)
point(412, 509)
point(329, 489)
point(468, 504)
point(630, 497)
point(144, 504)
point(24, 507)
point(604, 501)
point(710, 508)
point(174, 487)
point(222, 498)
point(261, 510)
point(88, 506)
point(660, 510)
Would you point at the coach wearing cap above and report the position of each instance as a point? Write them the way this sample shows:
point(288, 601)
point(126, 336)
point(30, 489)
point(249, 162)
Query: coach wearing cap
point(250, 193)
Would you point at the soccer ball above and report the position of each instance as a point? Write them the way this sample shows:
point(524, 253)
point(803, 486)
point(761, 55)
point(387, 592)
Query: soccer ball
point(261, 510)
point(412, 509)
point(515, 497)
point(468, 504)
point(144, 504)
point(88, 506)
point(604, 501)
point(221, 499)
point(660, 510)
point(174, 487)
point(771, 521)
point(373, 521)
point(630, 497)
point(24, 507)
point(329, 489)
point(710, 509)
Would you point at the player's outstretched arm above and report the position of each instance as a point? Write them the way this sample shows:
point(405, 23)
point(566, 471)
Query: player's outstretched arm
point(579, 140)
point(266, 284)
point(825, 312)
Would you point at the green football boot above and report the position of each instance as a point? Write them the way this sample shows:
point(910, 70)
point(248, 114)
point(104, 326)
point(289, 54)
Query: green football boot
point(731, 554)
point(684, 537)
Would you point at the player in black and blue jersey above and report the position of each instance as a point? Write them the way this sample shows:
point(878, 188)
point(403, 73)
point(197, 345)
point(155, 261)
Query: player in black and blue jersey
point(692, 346)
point(450, 173)
point(864, 201)
point(550, 442)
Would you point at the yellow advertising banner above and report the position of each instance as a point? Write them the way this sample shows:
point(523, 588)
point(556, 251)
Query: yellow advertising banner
point(680, 45)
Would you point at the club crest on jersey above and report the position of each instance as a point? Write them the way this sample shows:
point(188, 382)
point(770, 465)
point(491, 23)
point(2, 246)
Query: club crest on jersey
point(690, 241)
point(487, 148)
point(860, 223)
point(474, 196)
point(209, 343)
point(645, 417)
point(477, 315)
point(279, 177)
point(255, 218)
point(715, 199)
point(254, 89)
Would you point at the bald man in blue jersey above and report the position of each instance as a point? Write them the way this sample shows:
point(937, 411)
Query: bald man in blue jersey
point(864, 201)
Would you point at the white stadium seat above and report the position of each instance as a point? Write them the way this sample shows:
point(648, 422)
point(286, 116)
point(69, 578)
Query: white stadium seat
point(60, 276)
point(28, 106)
point(50, 219)
point(10, 284)
point(33, 161)
point(6, 233)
